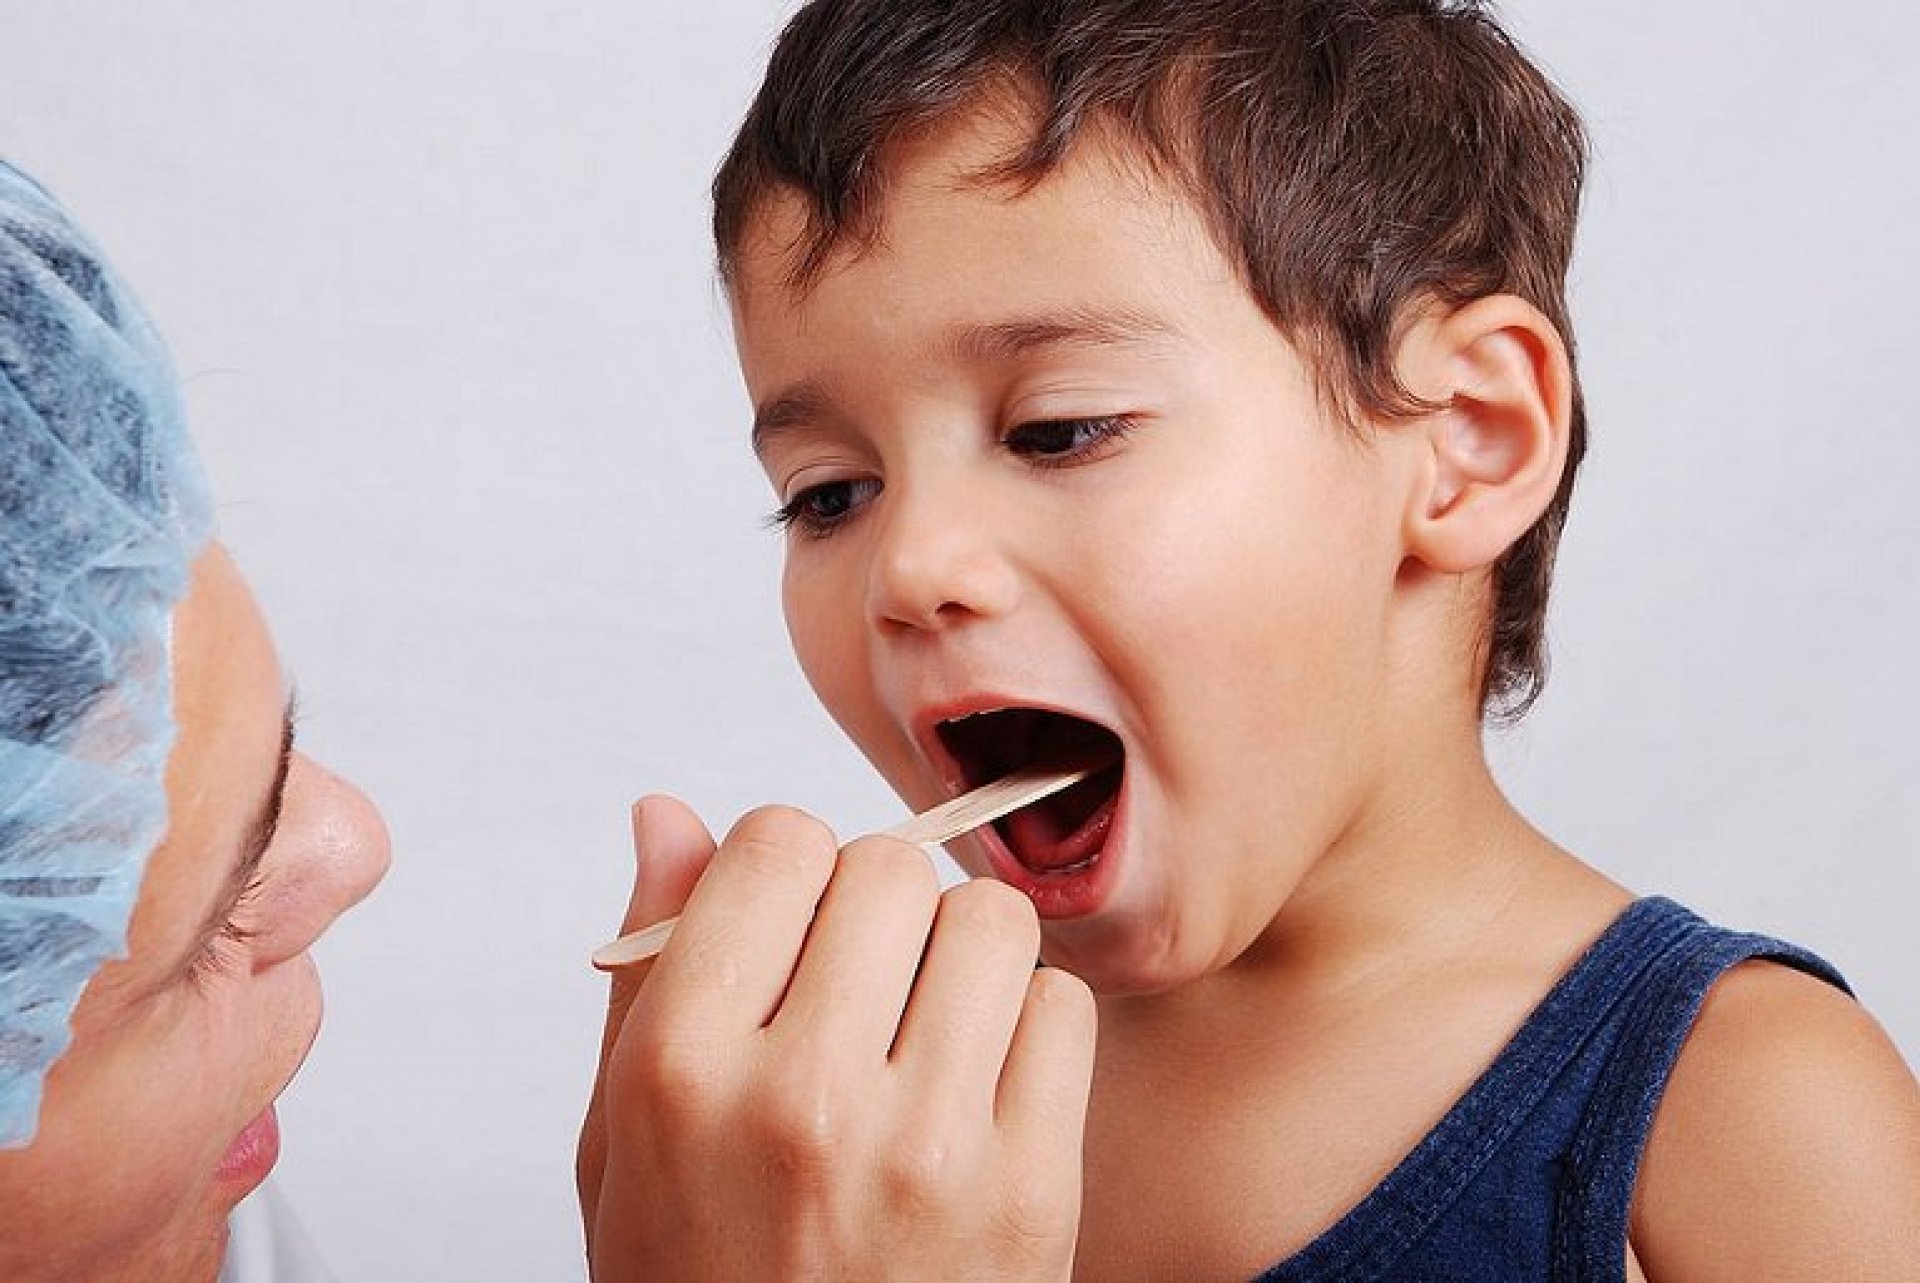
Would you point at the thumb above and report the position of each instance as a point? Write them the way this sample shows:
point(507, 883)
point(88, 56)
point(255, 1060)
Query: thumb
point(671, 849)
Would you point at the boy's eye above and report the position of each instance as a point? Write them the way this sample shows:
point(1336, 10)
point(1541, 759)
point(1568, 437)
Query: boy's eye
point(818, 510)
point(1065, 440)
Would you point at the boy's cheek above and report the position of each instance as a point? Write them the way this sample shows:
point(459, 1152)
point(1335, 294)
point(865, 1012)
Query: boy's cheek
point(841, 668)
point(826, 628)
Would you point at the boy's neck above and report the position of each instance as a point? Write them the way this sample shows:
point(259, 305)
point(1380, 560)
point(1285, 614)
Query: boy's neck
point(1298, 1075)
point(1440, 872)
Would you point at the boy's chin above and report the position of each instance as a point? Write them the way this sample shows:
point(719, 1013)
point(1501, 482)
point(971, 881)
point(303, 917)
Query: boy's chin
point(1114, 960)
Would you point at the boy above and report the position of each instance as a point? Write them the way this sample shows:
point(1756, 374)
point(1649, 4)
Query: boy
point(1189, 385)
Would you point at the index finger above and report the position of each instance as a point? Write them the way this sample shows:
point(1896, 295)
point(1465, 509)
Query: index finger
point(729, 962)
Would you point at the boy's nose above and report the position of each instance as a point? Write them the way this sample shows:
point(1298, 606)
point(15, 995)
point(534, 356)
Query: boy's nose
point(937, 560)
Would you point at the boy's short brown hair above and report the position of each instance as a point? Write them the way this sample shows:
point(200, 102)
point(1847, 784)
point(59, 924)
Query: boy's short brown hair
point(1354, 158)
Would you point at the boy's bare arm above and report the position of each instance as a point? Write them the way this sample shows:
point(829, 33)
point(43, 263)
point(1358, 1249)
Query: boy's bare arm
point(1787, 1146)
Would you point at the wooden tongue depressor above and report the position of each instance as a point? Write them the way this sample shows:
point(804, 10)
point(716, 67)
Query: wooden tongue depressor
point(930, 828)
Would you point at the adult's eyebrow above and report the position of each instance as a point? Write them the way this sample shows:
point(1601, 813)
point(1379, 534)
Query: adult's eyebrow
point(253, 849)
point(983, 343)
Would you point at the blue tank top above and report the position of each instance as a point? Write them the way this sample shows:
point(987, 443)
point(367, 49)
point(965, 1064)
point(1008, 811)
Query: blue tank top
point(1529, 1175)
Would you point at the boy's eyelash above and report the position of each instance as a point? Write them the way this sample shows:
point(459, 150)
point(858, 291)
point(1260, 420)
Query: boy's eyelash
point(1103, 430)
point(803, 513)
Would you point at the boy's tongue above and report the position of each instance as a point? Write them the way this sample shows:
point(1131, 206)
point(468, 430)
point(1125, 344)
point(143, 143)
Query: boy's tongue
point(1070, 827)
point(1061, 832)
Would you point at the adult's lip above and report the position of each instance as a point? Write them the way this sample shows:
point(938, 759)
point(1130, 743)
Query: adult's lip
point(252, 1153)
point(255, 1148)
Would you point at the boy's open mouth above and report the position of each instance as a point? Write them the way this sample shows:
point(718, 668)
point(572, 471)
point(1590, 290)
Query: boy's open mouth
point(1057, 834)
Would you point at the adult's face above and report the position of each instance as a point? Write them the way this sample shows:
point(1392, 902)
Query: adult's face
point(159, 1119)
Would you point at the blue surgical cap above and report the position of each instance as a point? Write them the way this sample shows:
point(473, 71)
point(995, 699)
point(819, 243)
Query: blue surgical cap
point(103, 509)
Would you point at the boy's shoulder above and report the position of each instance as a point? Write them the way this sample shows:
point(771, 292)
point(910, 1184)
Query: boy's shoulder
point(1786, 1144)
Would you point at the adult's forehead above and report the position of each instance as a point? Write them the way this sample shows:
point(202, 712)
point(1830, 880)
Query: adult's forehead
point(102, 508)
point(227, 708)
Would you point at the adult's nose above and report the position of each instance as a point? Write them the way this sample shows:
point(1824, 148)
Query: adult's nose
point(357, 831)
point(339, 850)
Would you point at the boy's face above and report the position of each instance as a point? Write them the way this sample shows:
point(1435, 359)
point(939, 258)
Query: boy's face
point(1044, 451)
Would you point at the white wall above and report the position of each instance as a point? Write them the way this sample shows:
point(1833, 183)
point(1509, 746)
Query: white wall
point(437, 276)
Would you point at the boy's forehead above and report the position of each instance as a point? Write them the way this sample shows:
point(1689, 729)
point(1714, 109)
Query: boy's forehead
point(1101, 282)
point(967, 161)
point(956, 238)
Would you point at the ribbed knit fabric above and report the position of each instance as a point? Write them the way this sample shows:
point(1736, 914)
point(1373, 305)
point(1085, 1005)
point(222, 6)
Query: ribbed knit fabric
point(1530, 1174)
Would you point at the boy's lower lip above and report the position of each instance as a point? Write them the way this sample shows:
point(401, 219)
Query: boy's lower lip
point(253, 1153)
point(1074, 892)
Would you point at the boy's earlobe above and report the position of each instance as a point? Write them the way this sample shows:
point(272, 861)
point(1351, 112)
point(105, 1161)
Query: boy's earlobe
point(1495, 448)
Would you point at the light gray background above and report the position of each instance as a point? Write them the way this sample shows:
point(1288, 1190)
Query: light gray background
point(437, 277)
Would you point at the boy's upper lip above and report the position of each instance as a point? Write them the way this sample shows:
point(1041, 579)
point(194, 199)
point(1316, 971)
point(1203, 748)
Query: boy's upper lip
point(925, 727)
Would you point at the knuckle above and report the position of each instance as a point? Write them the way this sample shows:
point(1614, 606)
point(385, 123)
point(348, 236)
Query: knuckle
point(781, 841)
point(1038, 1217)
point(993, 914)
point(923, 1169)
point(801, 1118)
point(1039, 1205)
point(672, 1074)
point(1062, 996)
point(892, 865)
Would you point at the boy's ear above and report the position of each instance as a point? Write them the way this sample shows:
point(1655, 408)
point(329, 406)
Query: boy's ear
point(1493, 452)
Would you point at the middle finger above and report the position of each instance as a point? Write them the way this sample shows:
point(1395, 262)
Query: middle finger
point(858, 965)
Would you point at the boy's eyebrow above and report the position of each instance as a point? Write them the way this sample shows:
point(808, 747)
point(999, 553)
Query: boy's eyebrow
point(806, 402)
point(984, 343)
point(1077, 327)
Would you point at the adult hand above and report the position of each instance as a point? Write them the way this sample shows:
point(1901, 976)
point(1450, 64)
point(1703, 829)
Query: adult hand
point(833, 1071)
